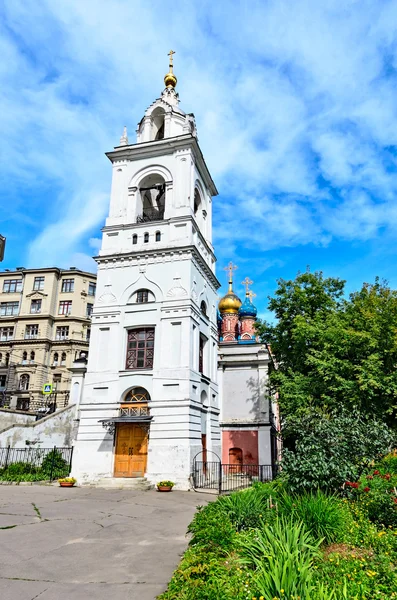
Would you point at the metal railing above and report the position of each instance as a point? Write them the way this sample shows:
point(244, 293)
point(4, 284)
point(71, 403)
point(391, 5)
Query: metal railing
point(36, 463)
point(151, 214)
point(226, 478)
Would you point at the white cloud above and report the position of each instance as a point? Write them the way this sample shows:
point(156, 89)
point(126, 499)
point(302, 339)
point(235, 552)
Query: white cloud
point(295, 104)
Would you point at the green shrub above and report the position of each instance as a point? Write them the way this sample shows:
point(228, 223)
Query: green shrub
point(211, 529)
point(282, 556)
point(53, 463)
point(325, 517)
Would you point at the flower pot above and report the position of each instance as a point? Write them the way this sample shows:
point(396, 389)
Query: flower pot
point(164, 488)
point(66, 484)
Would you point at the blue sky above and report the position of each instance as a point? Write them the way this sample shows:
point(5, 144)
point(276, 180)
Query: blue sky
point(296, 108)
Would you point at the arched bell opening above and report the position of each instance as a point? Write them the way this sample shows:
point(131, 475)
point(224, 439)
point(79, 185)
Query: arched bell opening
point(152, 196)
point(158, 124)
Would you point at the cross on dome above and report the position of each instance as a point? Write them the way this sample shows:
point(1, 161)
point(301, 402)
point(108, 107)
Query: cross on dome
point(230, 267)
point(170, 80)
point(246, 283)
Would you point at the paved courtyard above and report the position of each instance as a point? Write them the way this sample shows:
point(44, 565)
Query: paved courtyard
point(58, 544)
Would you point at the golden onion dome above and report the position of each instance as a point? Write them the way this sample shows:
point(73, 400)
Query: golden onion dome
point(170, 80)
point(230, 303)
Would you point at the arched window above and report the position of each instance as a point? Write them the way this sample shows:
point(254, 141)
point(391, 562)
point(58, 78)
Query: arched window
point(146, 238)
point(1, 357)
point(203, 308)
point(135, 239)
point(32, 356)
point(142, 296)
point(197, 201)
point(56, 358)
point(63, 358)
point(137, 394)
point(158, 236)
point(24, 382)
point(7, 359)
point(24, 356)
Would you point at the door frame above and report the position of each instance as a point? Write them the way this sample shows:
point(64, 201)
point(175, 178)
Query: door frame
point(146, 429)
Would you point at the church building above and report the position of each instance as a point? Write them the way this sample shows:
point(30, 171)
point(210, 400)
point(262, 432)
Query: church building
point(151, 401)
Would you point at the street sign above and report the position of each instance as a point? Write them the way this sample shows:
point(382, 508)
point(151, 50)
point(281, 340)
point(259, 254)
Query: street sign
point(47, 389)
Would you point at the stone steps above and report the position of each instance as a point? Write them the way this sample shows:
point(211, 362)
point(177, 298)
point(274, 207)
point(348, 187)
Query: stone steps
point(122, 483)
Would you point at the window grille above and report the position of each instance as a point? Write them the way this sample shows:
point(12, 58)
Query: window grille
point(35, 306)
point(140, 349)
point(142, 296)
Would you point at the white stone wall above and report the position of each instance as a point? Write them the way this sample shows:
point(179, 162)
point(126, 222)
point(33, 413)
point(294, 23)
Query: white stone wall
point(12, 417)
point(53, 430)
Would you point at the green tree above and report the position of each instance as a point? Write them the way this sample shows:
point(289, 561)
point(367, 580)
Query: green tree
point(332, 353)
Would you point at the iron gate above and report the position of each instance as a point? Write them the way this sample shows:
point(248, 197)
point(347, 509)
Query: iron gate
point(221, 478)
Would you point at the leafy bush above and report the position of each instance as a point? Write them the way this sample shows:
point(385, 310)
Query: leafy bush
point(333, 449)
point(53, 463)
point(325, 517)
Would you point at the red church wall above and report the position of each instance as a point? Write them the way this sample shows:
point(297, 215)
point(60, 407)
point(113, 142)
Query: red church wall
point(246, 440)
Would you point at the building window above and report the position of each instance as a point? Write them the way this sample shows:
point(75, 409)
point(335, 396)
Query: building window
point(63, 359)
point(56, 359)
point(7, 359)
point(3, 381)
point(140, 349)
point(38, 284)
point(6, 333)
point(135, 239)
point(203, 308)
point(88, 334)
point(9, 308)
point(65, 307)
point(31, 332)
point(56, 380)
point(23, 404)
point(146, 238)
point(1, 358)
point(24, 382)
point(91, 288)
point(68, 285)
point(12, 285)
point(142, 296)
point(158, 236)
point(32, 356)
point(89, 309)
point(35, 306)
point(202, 361)
point(197, 201)
point(24, 357)
point(62, 333)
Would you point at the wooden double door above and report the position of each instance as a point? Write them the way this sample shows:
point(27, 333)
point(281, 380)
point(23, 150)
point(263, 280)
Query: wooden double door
point(131, 450)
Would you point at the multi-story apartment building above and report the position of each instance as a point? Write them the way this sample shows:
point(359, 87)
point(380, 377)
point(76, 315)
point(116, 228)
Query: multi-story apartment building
point(44, 326)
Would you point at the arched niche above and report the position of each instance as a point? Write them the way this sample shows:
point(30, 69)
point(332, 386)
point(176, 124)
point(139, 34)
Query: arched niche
point(200, 208)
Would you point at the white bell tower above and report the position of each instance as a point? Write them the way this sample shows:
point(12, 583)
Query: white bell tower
point(150, 400)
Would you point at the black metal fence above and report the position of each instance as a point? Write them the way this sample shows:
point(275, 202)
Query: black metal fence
point(226, 478)
point(35, 463)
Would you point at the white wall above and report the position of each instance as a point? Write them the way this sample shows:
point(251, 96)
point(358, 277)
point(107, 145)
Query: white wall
point(53, 430)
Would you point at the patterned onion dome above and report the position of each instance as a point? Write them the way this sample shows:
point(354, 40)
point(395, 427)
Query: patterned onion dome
point(247, 309)
point(230, 303)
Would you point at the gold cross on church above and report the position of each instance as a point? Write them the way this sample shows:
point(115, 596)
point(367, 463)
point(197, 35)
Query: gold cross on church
point(230, 267)
point(170, 54)
point(246, 283)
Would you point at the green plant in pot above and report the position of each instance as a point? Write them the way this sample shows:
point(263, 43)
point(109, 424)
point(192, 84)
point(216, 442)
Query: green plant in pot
point(165, 486)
